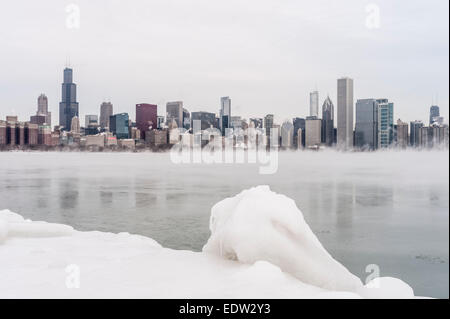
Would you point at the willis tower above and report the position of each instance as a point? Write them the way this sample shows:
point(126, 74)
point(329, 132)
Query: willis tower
point(68, 107)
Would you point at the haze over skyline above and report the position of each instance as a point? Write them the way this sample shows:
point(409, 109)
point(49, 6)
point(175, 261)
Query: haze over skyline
point(266, 55)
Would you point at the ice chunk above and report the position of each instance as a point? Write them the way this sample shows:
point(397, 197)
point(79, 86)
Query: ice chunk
point(258, 224)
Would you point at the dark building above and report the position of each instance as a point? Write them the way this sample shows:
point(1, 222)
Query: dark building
point(366, 127)
point(299, 123)
point(146, 118)
point(119, 125)
point(68, 108)
point(38, 119)
point(327, 122)
point(206, 119)
point(434, 113)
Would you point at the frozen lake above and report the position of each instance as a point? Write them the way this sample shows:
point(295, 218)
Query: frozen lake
point(387, 208)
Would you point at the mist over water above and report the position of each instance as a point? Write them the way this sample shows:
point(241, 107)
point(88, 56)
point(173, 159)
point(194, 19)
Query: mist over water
point(385, 208)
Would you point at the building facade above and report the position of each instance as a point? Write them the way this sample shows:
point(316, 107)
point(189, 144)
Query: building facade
point(385, 128)
point(106, 111)
point(146, 117)
point(345, 113)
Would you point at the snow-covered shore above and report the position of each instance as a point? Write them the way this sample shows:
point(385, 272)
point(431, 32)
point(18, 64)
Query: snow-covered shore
point(260, 247)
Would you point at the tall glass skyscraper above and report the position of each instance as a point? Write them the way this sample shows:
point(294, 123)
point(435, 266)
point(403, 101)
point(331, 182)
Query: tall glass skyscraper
point(366, 124)
point(68, 107)
point(385, 123)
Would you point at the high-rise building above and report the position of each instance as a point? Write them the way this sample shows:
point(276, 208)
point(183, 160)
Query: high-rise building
point(366, 126)
point(299, 123)
point(225, 114)
point(401, 134)
point(119, 125)
point(174, 112)
point(287, 135)
point(328, 122)
point(345, 113)
point(43, 109)
point(314, 103)
point(313, 132)
point(106, 111)
point(385, 128)
point(68, 107)
point(414, 128)
point(146, 118)
point(434, 113)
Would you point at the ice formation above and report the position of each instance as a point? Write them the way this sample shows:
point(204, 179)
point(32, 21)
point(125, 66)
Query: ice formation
point(260, 247)
point(259, 224)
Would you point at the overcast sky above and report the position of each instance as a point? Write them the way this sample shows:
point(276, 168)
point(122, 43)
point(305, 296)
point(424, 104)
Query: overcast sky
point(267, 55)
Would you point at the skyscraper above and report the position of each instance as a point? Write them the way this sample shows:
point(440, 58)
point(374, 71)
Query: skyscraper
point(174, 112)
point(299, 123)
point(68, 107)
point(414, 129)
point(434, 113)
point(328, 122)
point(146, 118)
point(366, 124)
point(345, 113)
point(401, 134)
point(225, 114)
point(106, 110)
point(43, 109)
point(313, 131)
point(287, 135)
point(385, 123)
point(314, 103)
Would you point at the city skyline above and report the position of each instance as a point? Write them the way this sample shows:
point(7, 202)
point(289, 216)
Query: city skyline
point(264, 52)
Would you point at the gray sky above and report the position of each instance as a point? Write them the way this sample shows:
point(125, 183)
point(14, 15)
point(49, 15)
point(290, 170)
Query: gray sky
point(266, 55)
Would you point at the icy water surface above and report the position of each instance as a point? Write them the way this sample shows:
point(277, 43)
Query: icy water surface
point(386, 208)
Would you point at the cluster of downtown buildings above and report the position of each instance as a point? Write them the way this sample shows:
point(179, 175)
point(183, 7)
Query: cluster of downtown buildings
point(374, 127)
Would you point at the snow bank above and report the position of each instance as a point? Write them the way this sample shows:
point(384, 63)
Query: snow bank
point(259, 224)
point(14, 225)
point(260, 247)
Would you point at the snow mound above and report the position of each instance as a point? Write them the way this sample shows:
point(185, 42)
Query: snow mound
point(386, 288)
point(14, 225)
point(258, 224)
